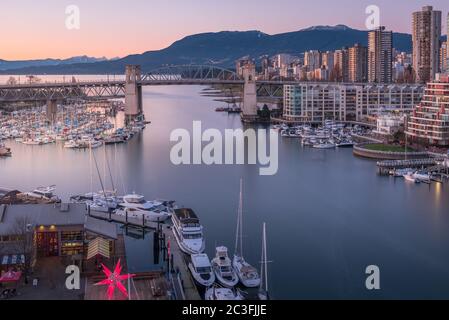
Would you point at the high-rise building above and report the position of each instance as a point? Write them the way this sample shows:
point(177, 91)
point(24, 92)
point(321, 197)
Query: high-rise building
point(429, 123)
point(443, 57)
point(328, 60)
point(380, 55)
point(426, 43)
point(341, 66)
point(358, 63)
point(312, 59)
point(447, 44)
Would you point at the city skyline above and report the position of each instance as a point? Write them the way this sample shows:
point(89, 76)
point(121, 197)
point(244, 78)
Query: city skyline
point(38, 33)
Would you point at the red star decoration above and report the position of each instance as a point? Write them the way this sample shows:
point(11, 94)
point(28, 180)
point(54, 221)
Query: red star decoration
point(114, 280)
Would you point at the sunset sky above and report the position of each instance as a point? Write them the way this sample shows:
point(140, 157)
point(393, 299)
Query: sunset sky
point(33, 29)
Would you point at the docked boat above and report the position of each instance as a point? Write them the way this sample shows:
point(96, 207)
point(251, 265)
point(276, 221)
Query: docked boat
point(247, 274)
point(422, 176)
point(70, 144)
point(226, 294)
point(223, 269)
point(135, 206)
point(410, 177)
point(188, 231)
point(326, 145)
point(45, 193)
point(201, 269)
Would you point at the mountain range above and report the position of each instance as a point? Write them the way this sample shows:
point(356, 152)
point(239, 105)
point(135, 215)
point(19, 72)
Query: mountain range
point(220, 48)
point(19, 64)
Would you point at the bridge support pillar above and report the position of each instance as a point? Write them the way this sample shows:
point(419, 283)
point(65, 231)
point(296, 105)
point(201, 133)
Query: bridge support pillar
point(52, 110)
point(249, 112)
point(133, 93)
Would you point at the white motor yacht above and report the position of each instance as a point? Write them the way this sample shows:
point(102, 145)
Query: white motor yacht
point(223, 269)
point(188, 231)
point(136, 206)
point(46, 193)
point(217, 293)
point(201, 269)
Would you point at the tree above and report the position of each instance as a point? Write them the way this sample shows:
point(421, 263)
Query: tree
point(23, 232)
point(11, 81)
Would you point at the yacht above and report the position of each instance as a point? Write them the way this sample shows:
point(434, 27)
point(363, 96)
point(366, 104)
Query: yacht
point(325, 145)
point(410, 177)
point(223, 269)
point(201, 269)
point(217, 293)
point(422, 176)
point(188, 231)
point(46, 193)
point(247, 274)
point(70, 144)
point(135, 206)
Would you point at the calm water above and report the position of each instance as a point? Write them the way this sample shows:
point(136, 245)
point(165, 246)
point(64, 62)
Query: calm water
point(328, 214)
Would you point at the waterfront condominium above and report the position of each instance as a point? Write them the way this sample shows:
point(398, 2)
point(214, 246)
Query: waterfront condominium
point(429, 122)
point(426, 33)
point(380, 55)
point(443, 57)
point(341, 65)
point(358, 63)
point(316, 102)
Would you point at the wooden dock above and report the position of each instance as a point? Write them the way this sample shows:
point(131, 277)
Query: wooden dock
point(384, 167)
point(183, 285)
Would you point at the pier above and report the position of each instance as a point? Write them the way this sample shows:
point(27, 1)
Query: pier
point(181, 281)
point(384, 167)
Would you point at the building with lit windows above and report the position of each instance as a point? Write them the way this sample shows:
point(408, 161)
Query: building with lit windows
point(429, 122)
point(316, 102)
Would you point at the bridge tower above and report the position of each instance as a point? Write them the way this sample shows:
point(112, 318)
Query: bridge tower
point(133, 92)
point(249, 93)
point(52, 110)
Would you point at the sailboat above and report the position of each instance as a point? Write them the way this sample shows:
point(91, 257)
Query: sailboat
point(263, 289)
point(247, 274)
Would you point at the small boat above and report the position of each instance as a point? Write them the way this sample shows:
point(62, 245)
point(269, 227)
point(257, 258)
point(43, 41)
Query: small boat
point(223, 269)
point(326, 145)
point(201, 269)
point(410, 177)
point(188, 231)
point(71, 144)
point(225, 294)
point(46, 193)
point(247, 274)
point(422, 176)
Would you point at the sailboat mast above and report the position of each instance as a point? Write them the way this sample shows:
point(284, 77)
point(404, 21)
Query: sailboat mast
point(237, 232)
point(265, 256)
point(241, 217)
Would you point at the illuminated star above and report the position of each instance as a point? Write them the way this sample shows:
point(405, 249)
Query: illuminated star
point(114, 280)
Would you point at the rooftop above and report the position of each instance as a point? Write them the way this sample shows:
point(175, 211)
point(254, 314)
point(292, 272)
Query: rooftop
point(53, 214)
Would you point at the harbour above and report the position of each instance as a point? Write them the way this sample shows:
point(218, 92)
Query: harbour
point(316, 198)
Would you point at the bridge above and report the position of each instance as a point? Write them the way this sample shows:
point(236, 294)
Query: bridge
point(131, 87)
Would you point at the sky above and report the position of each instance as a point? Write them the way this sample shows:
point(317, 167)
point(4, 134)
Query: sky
point(31, 29)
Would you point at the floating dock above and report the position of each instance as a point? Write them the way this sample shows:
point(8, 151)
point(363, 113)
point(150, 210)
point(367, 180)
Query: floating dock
point(182, 283)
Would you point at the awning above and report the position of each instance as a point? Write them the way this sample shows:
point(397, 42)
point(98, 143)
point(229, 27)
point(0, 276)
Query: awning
point(13, 259)
point(98, 247)
point(11, 276)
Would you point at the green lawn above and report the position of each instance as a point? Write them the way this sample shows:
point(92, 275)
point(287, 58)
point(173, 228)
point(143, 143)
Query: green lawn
point(386, 148)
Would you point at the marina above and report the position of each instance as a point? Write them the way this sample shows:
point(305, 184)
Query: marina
point(317, 214)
